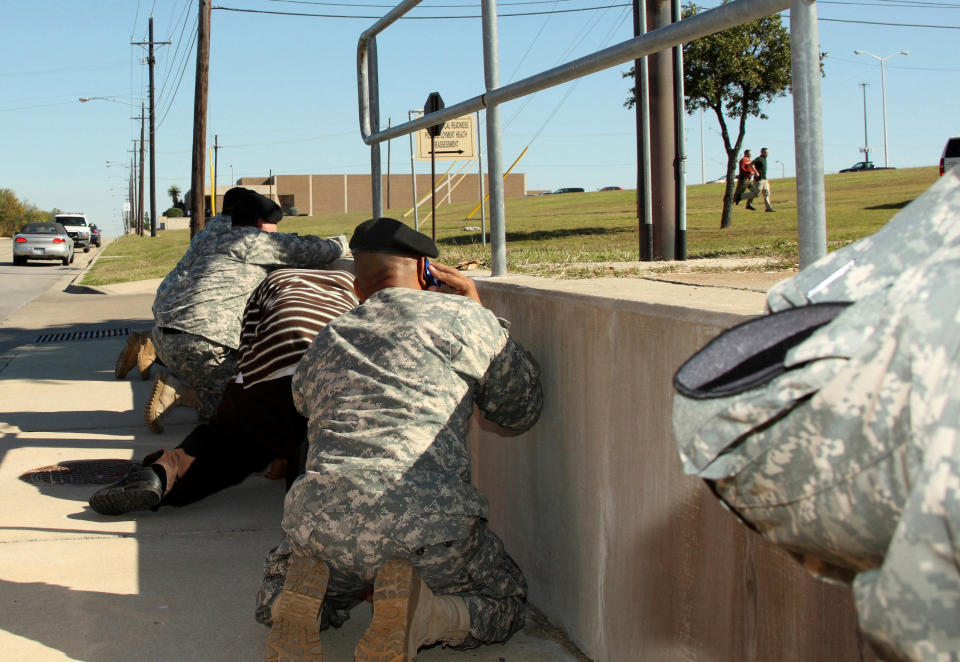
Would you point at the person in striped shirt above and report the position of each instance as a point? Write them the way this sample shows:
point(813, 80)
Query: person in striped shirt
point(256, 421)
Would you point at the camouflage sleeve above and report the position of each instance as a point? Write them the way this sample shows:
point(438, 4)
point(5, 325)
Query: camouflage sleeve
point(908, 607)
point(278, 249)
point(509, 393)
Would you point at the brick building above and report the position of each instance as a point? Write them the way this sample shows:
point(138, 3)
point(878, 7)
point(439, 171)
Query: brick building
point(314, 195)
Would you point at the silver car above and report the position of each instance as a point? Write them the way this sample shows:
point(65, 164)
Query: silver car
point(42, 241)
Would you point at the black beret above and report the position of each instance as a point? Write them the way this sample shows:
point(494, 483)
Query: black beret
point(388, 235)
point(230, 198)
point(247, 207)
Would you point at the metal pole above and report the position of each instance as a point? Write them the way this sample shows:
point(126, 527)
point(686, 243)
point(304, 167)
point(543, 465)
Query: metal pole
point(866, 144)
point(883, 101)
point(483, 221)
point(433, 187)
point(143, 120)
point(808, 131)
point(491, 76)
point(413, 174)
point(197, 207)
point(376, 182)
point(644, 191)
point(680, 116)
point(703, 166)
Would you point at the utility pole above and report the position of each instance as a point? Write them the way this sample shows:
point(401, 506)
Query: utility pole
point(216, 160)
point(143, 118)
point(151, 61)
point(641, 101)
point(198, 217)
point(663, 144)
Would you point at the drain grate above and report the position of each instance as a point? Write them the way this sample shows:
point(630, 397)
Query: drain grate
point(80, 472)
point(89, 334)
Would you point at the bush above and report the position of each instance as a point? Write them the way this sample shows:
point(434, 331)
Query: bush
point(173, 212)
point(291, 211)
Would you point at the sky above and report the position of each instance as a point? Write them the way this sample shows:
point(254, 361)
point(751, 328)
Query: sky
point(283, 92)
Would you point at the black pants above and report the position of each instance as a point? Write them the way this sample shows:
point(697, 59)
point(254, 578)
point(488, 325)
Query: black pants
point(251, 428)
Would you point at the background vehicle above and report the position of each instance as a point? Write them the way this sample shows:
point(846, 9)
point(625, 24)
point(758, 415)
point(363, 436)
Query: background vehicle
point(865, 165)
point(612, 188)
point(570, 189)
point(951, 155)
point(77, 228)
point(42, 241)
point(95, 235)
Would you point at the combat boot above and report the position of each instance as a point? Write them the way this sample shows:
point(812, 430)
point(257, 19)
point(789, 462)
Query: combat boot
point(146, 355)
point(128, 355)
point(295, 633)
point(407, 616)
point(168, 392)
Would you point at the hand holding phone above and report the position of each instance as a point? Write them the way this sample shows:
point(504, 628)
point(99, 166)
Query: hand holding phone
point(428, 275)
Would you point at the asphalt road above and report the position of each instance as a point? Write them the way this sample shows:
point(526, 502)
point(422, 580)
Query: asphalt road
point(20, 285)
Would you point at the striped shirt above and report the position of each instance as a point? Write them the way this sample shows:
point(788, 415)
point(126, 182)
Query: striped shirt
point(284, 315)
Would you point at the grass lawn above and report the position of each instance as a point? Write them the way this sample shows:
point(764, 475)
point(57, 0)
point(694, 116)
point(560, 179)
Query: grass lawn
point(556, 235)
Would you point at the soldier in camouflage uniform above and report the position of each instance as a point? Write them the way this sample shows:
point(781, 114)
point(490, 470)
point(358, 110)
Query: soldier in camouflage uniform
point(386, 501)
point(847, 453)
point(199, 305)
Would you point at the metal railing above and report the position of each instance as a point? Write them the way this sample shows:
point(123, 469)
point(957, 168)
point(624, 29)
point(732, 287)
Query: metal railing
point(808, 132)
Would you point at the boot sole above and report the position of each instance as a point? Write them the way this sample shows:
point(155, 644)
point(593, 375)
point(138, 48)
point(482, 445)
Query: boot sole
point(150, 414)
point(295, 634)
point(395, 595)
point(120, 502)
point(128, 356)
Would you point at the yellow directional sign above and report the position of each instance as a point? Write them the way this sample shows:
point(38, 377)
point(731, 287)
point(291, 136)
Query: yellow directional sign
point(457, 141)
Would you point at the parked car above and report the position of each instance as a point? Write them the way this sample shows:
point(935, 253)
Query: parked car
point(569, 189)
point(77, 227)
point(612, 188)
point(42, 241)
point(865, 165)
point(951, 155)
point(95, 235)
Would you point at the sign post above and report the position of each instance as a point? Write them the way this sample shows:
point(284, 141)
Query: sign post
point(433, 104)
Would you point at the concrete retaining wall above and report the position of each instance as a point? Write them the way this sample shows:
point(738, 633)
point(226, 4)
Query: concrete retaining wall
point(633, 559)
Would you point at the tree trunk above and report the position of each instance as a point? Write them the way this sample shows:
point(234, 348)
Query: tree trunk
point(726, 216)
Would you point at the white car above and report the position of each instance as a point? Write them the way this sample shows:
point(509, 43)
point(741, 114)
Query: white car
point(42, 241)
point(77, 227)
point(951, 155)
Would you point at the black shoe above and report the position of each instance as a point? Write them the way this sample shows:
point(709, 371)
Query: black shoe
point(138, 490)
point(768, 210)
point(751, 207)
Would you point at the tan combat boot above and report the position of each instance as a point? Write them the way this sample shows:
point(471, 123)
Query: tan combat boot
point(168, 392)
point(295, 633)
point(146, 355)
point(407, 616)
point(128, 355)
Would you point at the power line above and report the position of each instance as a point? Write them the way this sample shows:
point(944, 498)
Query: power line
point(893, 25)
point(421, 18)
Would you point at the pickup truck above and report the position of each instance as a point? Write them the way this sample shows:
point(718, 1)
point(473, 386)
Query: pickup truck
point(77, 227)
point(865, 165)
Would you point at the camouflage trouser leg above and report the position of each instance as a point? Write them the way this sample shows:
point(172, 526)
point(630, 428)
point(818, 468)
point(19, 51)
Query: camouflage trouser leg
point(475, 567)
point(205, 365)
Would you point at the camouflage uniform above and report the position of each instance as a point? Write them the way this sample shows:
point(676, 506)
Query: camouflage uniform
point(389, 389)
point(850, 459)
point(204, 296)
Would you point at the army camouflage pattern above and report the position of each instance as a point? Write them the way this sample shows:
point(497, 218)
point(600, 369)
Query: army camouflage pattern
point(850, 459)
point(206, 366)
point(207, 291)
point(388, 389)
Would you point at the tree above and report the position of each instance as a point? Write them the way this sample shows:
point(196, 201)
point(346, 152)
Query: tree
point(732, 73)
point(14, 213)
point(174, 193)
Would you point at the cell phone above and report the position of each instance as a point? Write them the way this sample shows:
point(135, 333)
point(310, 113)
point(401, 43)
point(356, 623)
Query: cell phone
point(428, 275)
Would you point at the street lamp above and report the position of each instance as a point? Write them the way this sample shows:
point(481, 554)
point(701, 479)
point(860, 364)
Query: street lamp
point(883, 94)
point(86, 99)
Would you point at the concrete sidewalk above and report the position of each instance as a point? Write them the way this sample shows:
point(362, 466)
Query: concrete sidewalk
point(176, 584)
